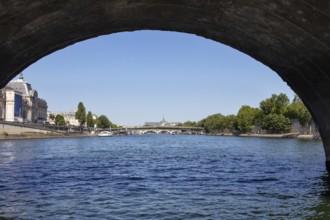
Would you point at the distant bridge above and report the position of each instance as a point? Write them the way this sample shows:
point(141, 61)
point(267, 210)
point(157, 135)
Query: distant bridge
point(161, 130)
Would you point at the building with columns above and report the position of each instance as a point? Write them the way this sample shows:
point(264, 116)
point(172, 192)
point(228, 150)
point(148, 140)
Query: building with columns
point(11, 104)
point(20, 102)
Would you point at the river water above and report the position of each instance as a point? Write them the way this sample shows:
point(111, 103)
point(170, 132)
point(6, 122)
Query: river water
point(163, 177)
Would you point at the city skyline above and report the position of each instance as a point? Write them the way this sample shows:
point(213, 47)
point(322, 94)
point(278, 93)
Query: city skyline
point(144, 75)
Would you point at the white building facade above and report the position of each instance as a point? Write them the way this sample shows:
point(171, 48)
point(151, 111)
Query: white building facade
point(69, 118)
point(19, 102)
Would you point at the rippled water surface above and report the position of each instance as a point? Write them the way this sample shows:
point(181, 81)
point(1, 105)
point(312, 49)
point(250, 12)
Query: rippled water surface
point(163, 177)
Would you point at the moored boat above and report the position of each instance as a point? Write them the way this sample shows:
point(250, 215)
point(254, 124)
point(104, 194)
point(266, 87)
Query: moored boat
point(105, 134)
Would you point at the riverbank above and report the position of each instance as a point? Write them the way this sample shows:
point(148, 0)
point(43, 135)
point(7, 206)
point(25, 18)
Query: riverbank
point(40, 135)
point(287, 135)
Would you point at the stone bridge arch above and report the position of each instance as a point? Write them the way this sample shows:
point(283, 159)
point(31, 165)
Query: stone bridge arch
point(292, 37)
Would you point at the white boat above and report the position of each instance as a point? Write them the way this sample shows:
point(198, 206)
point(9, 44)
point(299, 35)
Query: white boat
point(105, 134)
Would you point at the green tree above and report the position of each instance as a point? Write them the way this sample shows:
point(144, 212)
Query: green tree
point(275, 104)
point(296, 99)
point(275, 123)
point(81, 114)
point(90, 120)
point(59, 120)
point(103, 122)
point(201, 123)
point(189, 124)
point(246, 118)
point(231, 122)
point(215, 123)
point(297, 110)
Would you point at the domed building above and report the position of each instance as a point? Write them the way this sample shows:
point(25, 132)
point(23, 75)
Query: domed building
point(20, 102)
point(162, 123)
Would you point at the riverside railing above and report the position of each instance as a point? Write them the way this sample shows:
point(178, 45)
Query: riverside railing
point(40, 126)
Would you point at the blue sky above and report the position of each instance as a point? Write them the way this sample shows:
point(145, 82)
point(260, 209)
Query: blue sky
point(134, 77)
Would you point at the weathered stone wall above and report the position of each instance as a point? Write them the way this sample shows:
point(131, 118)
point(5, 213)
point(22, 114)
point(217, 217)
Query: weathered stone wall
point(309, 128)
point(10, 129)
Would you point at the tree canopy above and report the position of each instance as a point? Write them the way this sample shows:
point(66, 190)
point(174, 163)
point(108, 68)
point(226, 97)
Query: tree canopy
point(275, 104)
point(246, 118)
point(89, 119)
point(273, 115)
point(81, 113)
point(231, 122)
point(297, 110)
point(59, 120)
point(103, 122)
point(275, 123)
point(215, 123)
point(189, 124)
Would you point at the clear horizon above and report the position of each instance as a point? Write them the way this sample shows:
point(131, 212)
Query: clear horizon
point(135, 77)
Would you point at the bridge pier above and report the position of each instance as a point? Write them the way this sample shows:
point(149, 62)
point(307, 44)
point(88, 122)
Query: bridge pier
point(327, 155)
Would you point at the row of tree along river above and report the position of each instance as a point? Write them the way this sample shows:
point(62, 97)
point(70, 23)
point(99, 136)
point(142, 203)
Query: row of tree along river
point(274, 116)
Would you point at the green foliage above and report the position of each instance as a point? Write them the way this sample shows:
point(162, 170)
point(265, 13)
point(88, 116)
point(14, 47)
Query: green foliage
point(246, 117)
point(273, 115)
point(215, 123)
point(81, 113)
point(231, 122)
point(296, 99)
point(297, 110)
point(90, 120)
point(275, 104)
point(201, 123)
point(103, 122)
point(59, 120)
point(275, 123)
point(189, 124)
